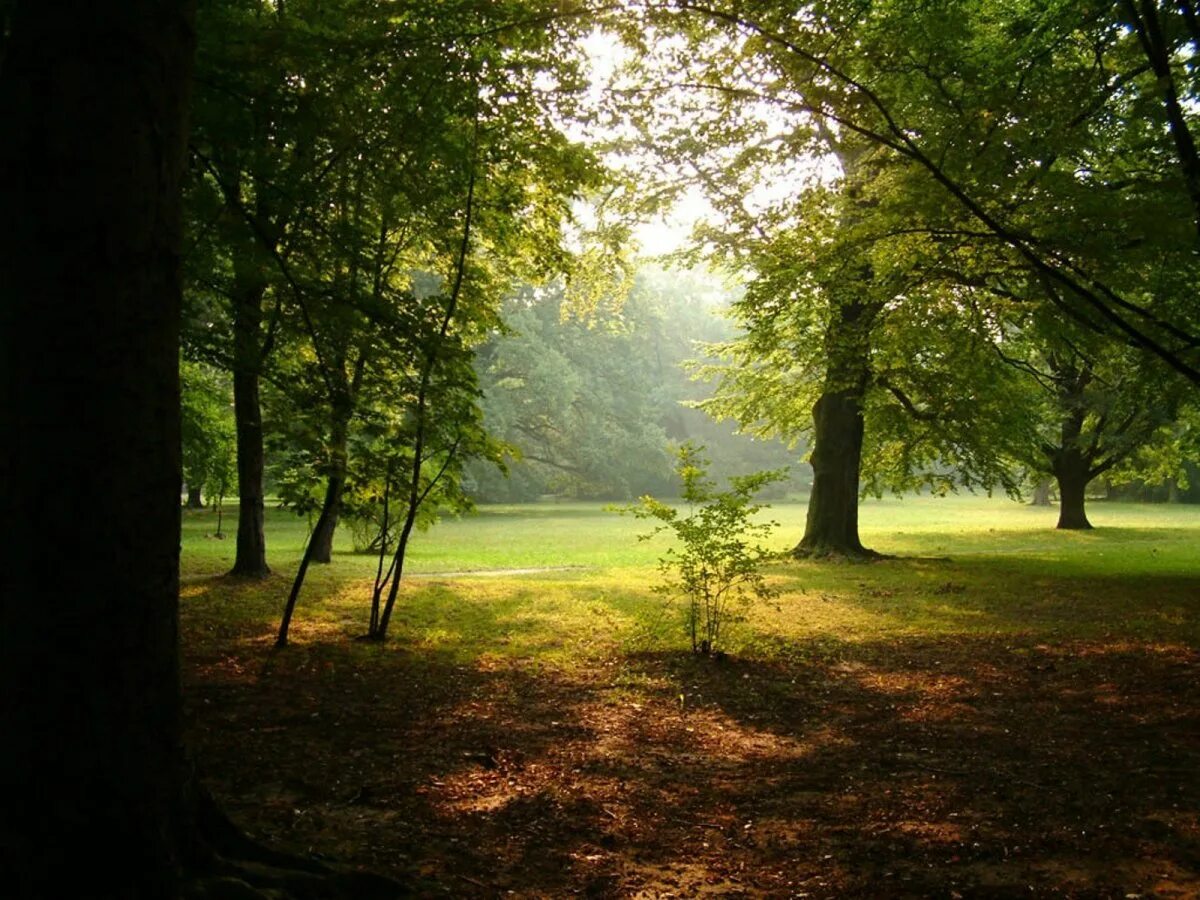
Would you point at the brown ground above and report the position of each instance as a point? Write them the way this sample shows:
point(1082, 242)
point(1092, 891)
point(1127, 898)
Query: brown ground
point(972, 767)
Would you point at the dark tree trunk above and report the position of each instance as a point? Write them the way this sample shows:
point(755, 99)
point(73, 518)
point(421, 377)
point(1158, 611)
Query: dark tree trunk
point(1041, 493)
point(250, 560)
point(194, 500)
point(832, 525)
point(335, 488)
point(326, 526)
point(831, 528)
point(1073, 475)
point(92, 776)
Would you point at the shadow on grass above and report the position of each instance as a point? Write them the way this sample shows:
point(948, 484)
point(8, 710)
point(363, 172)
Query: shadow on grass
point(907, 766)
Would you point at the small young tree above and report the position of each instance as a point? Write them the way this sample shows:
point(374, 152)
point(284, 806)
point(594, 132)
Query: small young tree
point(718, 567)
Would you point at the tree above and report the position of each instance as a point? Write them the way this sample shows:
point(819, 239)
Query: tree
point(590, 398)
point(1096, 406)
point(91, 158)
point(1017, 113)
point(575, 394)
point(259, 167)
point(333, 144)
point(1011, 137)
point(462, 178)
point(718, 564)
point(96, 783)
point(856, 337)
point(209, 447)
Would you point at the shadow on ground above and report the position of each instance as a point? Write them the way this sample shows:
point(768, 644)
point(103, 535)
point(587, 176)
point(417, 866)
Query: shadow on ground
point(994, 766)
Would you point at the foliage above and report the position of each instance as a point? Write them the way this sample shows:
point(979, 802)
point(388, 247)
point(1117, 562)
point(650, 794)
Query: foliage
point(1098, 405)
point(1056, 137)
point(209, 447)
point(341, 153)
point(918, 167)
point(831, 306)
point(718, 565)
point(589, 398)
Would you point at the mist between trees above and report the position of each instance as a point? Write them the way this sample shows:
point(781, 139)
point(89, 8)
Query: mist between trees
point(583, 404)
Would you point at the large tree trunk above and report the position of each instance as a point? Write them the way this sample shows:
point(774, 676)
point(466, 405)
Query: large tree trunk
point(831, 528)
point(1072, 473)
point(194, 500)
point(92, 97)
point(251, 558)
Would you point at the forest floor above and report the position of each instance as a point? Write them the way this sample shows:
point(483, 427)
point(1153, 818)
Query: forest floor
point(962, 726)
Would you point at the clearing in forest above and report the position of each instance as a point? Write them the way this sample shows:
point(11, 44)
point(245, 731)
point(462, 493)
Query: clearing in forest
point(1000, 709)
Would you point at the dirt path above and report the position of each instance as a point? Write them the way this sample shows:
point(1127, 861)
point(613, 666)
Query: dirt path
point(498, 573)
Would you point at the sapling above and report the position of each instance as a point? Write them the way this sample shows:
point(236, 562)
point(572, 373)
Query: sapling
point(716, 565)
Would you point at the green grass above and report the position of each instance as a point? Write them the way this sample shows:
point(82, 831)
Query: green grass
point(962, 566)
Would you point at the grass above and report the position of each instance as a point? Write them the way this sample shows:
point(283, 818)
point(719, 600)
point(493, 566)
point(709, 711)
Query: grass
point(1000, 709)
point(962, 565)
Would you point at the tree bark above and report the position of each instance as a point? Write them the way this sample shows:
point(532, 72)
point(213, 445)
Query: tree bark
point(1173, 493)
point(194, 500)
point(326, 526)
point(831, 527)
point(1072, 473)
point(289, 609)
point(250, 560)
point(93, 99)
point(335, 488)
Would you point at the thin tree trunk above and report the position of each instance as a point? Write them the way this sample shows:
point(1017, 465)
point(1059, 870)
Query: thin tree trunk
point(415, 496)
point(92, 776)
point(326, 527)
point(335, 489)
point(194, 500)
point(250, 560)
point(298, 582)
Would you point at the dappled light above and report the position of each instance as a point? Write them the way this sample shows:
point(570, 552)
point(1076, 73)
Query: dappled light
point(972, 764)
point(912, 726)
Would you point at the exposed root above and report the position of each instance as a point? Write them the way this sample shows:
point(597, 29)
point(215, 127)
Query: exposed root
point(236, 867)
point(836, 553)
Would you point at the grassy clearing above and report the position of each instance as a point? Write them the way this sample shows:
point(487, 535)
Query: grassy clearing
point(964, 565)
point(1001, 710)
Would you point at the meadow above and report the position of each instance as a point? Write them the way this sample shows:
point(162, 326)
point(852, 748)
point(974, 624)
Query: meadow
point(998, 707)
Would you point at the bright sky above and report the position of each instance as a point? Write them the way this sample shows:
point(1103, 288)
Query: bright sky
point(671, 231)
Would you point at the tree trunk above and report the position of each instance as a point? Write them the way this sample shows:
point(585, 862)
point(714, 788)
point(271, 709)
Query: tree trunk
point(1041, 493)
point(326, 526)
point(831, 528)
point(92, 97)
point(1071, 472)
point(250, 560)
point(832, 524)
point(335, 488)
point(289, 608)
point(194, 500)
